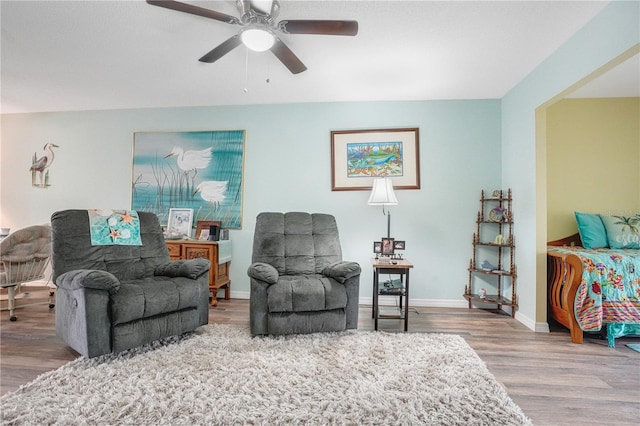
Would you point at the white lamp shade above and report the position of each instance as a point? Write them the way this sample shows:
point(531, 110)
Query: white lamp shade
point(257, 39)
point(382, 193)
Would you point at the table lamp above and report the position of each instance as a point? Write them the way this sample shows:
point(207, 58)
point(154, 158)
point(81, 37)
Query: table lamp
point(382, 195)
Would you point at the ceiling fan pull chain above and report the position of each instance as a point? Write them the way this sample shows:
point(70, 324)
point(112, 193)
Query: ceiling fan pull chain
point(268, 80)
point(246, 71)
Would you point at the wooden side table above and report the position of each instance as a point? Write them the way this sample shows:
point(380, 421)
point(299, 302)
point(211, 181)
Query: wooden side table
point(400, 267)
point(218, 272)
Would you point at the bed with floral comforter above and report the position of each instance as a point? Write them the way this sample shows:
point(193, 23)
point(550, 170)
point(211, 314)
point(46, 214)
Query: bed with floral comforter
point(594, 288)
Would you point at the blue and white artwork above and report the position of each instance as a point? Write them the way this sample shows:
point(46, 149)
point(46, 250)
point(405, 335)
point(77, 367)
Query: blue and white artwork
point(375, 159)
point(196, 170)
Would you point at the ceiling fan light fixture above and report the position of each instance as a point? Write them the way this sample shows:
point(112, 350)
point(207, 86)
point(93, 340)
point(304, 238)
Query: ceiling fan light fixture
point(259, 29)
point(257, 39)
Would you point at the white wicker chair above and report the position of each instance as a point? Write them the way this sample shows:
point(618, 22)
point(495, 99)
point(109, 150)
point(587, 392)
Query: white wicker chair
point(24, 257)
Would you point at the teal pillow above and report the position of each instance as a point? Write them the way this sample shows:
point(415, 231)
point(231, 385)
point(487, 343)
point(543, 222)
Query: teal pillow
point(592, 232)
point(622, 232)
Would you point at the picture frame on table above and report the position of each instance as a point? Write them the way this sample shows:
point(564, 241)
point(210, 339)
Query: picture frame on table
point(360, 156)
point(377, 247)
point(180, 222)
point(203, 228)
point(399, 245)
point(387, 246)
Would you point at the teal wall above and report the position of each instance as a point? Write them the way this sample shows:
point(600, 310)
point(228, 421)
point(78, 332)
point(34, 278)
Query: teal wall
point(287, 168)
point(611, 33)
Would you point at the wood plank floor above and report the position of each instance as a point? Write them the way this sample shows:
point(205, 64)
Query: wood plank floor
point(554, 381)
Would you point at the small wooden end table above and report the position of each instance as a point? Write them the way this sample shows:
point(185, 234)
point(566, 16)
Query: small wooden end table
point(218, 273)
point(399, 267)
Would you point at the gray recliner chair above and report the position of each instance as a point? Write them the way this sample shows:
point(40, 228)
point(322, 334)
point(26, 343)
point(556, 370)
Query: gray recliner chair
point(299, 283)
point(116, 297)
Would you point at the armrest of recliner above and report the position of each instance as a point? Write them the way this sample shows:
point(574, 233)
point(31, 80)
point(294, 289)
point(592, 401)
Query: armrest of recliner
point(262, 275)
point(89, 278)
point(342, 271)
point(263, 272)
point(189, 268)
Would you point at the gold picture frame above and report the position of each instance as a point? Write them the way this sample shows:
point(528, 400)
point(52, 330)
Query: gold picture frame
point(359, 156)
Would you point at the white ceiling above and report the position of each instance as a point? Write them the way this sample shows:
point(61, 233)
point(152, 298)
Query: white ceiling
point(91, 55)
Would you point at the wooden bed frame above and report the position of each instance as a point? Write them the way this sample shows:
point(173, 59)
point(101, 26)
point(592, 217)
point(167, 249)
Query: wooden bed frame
point(564, 273)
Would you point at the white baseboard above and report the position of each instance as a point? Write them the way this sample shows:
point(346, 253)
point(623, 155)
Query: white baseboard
point(388, 301)
point(538, 327)
point(239, 295)
point(542, 327)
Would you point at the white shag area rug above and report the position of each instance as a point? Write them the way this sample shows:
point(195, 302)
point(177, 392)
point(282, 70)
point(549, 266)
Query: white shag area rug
point(220, 375)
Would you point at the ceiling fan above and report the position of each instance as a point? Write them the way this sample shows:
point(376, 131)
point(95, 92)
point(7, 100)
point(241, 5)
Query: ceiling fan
point(257, 17)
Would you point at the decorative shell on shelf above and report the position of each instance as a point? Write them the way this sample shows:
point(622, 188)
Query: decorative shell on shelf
point(496, 214)
point(487, 266)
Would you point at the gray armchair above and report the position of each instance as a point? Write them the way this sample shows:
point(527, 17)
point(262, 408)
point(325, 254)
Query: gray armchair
point(116, 297)
point(299, 283)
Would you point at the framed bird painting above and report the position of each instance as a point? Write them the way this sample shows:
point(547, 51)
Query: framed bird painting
point(200, 170)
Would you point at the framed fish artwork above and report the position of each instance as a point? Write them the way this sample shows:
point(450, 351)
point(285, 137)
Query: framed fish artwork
point(359, 156)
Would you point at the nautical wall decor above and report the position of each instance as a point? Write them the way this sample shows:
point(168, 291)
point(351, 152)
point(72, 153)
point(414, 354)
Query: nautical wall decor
point(359, 156)
point(40, 164)
point(195, 170)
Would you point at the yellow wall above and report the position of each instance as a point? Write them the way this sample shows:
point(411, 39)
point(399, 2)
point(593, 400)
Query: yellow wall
point(593, 160)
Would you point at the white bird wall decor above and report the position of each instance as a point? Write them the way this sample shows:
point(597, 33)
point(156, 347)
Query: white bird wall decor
point(212, 191)
point(41, 164)
point(189, 162)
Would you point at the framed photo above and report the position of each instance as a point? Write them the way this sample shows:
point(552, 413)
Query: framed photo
point(387, 246)
point(202, 228)
point(180, 222)
point(359, 156)
point(200, 170)
point(377, 247)
point(398, 245)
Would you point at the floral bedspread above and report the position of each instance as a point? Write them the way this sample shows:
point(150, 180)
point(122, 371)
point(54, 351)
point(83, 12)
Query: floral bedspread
point(609, 292)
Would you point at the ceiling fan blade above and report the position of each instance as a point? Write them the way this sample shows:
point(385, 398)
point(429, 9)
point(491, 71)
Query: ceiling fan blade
point(287, 57)
point(321, 27)
point(195, 10)
point(222, 49)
